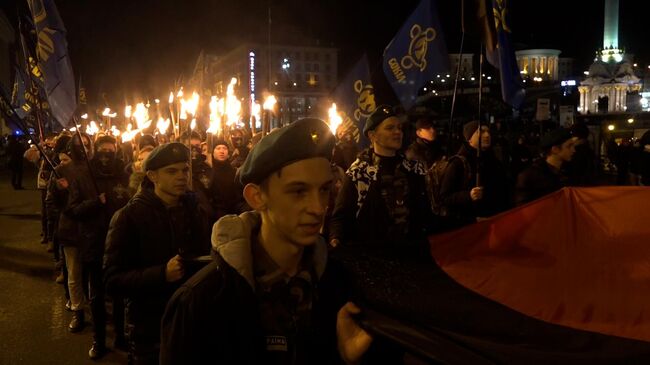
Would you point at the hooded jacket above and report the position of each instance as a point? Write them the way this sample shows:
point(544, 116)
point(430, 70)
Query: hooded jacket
point(214, 317)
point(142, 237)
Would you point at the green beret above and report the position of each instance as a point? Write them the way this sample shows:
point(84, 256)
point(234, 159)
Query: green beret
point(555, 138)
point(380, 114)
point(305, 138)
point(165, 155)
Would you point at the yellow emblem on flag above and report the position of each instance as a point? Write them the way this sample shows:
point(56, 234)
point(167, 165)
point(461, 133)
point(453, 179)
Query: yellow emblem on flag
point(418, 48)
point(366, 100)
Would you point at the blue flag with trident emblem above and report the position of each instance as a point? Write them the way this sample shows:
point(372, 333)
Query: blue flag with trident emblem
point(417, 52)
point(355, 100)
point(53, 59)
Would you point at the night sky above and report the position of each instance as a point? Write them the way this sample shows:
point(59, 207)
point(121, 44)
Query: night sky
point(136, 48)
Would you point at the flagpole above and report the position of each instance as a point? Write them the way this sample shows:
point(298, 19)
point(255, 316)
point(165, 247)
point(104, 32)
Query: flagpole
point(480, 97)
point(25, 130)
point(81, 141)
point(453, 99)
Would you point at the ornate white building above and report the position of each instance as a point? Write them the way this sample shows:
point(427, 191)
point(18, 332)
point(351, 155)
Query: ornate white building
point(539, 63)
point(611, 77)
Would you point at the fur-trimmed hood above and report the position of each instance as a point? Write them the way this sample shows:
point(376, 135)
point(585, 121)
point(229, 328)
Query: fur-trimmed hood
point(231, 239)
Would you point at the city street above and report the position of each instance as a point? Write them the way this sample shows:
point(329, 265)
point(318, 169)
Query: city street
point(33, 318)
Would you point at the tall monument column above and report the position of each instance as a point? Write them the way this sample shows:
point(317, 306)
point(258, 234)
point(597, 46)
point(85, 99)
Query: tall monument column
point(610, 35)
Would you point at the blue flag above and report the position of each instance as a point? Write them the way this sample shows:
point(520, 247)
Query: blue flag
point(19, 95)
point(502, 55)
point(355, 100)
point(417, 52)
point(53, 59)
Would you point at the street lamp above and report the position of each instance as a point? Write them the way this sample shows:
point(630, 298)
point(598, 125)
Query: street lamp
point(611, 127)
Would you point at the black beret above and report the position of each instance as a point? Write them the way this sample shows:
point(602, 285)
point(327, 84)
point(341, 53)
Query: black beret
point(423, 124)
point(303, 139)
point(555, 138)
point(147, 140)
point(220, 142)
point(469, 129)
point(165, 155)
point(105, 139)
point(380, 114)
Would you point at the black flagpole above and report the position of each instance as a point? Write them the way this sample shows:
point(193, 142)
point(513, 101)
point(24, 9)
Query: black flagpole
point(81, 141)
point(14, 118)
point(480, 96)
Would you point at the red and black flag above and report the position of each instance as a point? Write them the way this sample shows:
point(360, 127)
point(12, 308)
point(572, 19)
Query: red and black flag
point(561, 280)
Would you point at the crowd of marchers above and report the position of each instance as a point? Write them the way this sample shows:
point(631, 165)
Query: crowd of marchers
point(221, 250)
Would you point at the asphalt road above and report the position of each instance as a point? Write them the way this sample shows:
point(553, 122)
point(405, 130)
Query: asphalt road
point(33, 318)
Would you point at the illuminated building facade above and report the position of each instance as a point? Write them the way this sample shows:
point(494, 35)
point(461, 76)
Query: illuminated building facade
point(300, 77)
point(612, 77)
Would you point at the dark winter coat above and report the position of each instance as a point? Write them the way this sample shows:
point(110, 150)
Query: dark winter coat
point(425, 152)
point(214, 317)
point(93, 216)
point(345, 153)
point(538, 180)
point(457, 183)
point(225, 191)
point(142, 237)
point(67, 229)
point(361, 215)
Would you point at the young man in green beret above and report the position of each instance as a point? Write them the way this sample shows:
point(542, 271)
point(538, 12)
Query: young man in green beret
point(149, 246)
point(546, 175)
point(270, 296)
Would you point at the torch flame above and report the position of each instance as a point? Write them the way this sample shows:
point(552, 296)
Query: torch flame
point(215, 116)
point(141, 116)
point(269, 102)
point(256, 111)
point(335, 119)
point(233, 105)
point(114, 131)
point(127, 111)
point(84, 116)
point(92, 128)
point(193, 123)
point(129, 133)
point(162, 125)
point(179, 94)
point(107, 112)
point(171, 97)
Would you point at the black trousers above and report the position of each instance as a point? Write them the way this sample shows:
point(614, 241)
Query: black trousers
point(44, 230)
point(97, 299)
point(17, 176)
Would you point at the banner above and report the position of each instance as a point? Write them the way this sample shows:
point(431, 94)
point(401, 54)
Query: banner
point(355, 100)
point(416, 54)
point(53, 59)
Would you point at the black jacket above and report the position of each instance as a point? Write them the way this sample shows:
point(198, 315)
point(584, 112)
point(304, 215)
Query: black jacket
point(538, 180)
point(345, 152)
point(67, 228)
point(425, 152)
point(141, 239)
point(214, 317)
point(457, 183)
point(225, 191)
point(85, 207)
point(373, 223)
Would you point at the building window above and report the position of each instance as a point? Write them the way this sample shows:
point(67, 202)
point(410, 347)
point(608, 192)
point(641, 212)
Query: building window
point(316, 67)
point(307, 77)
point(317, 56)
point(307, 56)
point(307, 66)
